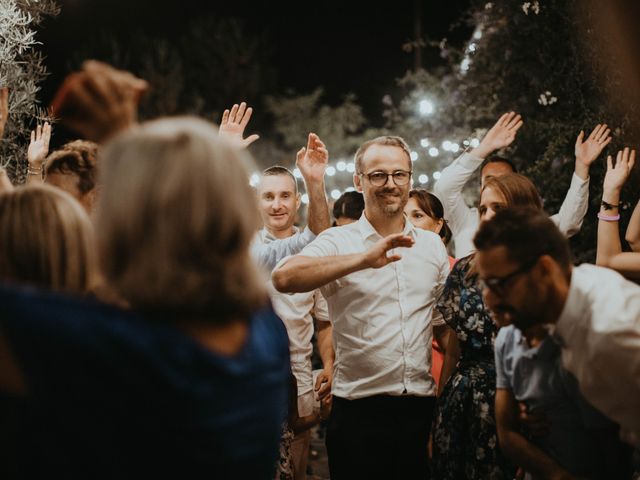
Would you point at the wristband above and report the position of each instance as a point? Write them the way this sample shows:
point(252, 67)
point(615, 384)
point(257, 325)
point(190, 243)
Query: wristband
point(609, 218)
point(609, 206)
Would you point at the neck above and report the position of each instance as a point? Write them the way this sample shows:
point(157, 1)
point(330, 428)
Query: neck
point(384, 224)
point(535, 334)
point(558, 298)
point(279, 234)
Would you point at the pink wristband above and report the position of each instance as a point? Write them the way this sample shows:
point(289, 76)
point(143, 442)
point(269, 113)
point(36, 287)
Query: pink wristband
point(608, 218)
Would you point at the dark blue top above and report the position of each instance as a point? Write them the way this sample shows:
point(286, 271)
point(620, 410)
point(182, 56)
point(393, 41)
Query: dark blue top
point(113, 395)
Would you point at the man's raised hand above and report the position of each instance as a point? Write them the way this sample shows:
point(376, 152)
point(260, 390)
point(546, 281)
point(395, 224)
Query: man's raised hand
point(312, 160)
point(588, 150)
point(234, 122)
point(376, 256)
point(501, 135)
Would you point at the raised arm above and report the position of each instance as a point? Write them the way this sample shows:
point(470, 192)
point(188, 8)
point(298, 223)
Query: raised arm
point(233, 124)
point(520, 451)
point(312, 162)
point(99, 101)
point(609, 251)
point(37, 153)
point(449, 187)
point(4, 109)
point(303, 274)
point(324, 331)
point(574, 207)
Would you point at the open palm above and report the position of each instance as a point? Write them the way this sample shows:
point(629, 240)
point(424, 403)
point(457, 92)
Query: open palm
point(233, 124)
point(587, 151)
point(312, 161)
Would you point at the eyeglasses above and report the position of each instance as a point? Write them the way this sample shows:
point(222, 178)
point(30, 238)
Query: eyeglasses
point(499, 285)
point(379, 178)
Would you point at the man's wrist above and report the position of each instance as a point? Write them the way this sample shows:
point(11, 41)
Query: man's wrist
point(581, 170)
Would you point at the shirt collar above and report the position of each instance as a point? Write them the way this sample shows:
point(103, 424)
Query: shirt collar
point(367, 231)
point(267, 237)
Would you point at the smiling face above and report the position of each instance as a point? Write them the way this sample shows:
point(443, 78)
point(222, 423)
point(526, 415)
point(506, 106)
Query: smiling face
point(279, 203)
point(389, 199)
point(419, 218)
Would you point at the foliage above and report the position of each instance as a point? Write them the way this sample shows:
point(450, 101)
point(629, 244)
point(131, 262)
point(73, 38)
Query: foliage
point(21, 69)
point(536, 58)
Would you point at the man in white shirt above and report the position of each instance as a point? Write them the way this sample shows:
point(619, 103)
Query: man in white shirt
point(464, 220)
point(381, 278)
point(267, 255)
point(279, 200)
point(524, 263)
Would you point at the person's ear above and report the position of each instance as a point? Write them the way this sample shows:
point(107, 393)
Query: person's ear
point(439, 226)
point(357, 182)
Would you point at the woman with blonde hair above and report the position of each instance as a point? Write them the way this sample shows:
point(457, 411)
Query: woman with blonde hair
point(465, 443)
point(193, 380)
point(46, 240)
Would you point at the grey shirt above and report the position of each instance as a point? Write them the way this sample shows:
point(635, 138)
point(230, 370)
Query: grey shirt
point(536, 377)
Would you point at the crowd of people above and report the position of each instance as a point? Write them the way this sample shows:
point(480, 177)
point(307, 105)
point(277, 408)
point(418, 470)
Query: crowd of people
point(159, 315)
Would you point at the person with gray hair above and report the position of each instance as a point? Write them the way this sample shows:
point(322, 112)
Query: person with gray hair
point(190, 380)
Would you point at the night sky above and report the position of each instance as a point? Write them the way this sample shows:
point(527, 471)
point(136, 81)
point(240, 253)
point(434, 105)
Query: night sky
point(344, 46)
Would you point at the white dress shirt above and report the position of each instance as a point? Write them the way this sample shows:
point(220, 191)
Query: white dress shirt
point(382, 318)
point(268, 254)
point(464, 220)
point(600, 331)
point(297, 311)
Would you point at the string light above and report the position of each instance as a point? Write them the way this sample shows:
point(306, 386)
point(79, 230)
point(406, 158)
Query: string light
point(423, 178)
point(331, 171)
point(424, 143)
point(341, 166)
point(351, 167)
point(297, 173)
point(425, 107)
point(436, 175)
point(434, 152)
point(335, 194)
point(414, 156)
point(254, 180)
point(305, 198)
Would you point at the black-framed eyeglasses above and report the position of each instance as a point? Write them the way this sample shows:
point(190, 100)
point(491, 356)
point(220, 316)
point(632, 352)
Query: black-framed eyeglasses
point(498, 285)
point(380, 178)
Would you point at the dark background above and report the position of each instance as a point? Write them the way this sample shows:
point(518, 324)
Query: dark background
point(343, 46)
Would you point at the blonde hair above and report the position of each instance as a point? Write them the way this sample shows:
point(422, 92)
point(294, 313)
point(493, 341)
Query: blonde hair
point(175, 220)
point(46, 239)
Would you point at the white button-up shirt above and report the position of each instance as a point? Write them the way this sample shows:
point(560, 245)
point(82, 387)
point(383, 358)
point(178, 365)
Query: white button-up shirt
point(382, 318)
point(297, 311)
point(464, 220)
point(600, 331)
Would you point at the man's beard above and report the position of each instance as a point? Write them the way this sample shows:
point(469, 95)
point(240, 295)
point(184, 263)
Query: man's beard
point(390, 210)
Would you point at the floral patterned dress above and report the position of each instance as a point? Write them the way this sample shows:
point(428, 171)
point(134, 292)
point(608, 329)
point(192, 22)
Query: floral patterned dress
point(465, 443)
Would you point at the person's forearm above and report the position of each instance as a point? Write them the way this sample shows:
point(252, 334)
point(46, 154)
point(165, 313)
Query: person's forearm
point(528, 456)
point(574, 207)
point(303, 274)
point(318, 213)
point(451, 357)
point(325, 345)
point(34, 178)
point(632, 235)
point(608, 231)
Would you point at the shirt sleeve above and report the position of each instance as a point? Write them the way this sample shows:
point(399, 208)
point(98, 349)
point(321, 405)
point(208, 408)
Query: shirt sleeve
point(268, 255)
point(574, 207)
point(462, 220)
point(320, 308)
point(502, 380)
point(325, 245)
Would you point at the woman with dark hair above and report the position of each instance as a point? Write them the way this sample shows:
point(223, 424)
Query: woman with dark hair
point(425, 211)
point(465, 443)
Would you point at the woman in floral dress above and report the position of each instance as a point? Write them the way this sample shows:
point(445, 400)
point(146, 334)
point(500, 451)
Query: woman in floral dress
point(465, 443)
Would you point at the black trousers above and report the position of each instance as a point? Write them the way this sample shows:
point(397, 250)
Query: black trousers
point(379, 437)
